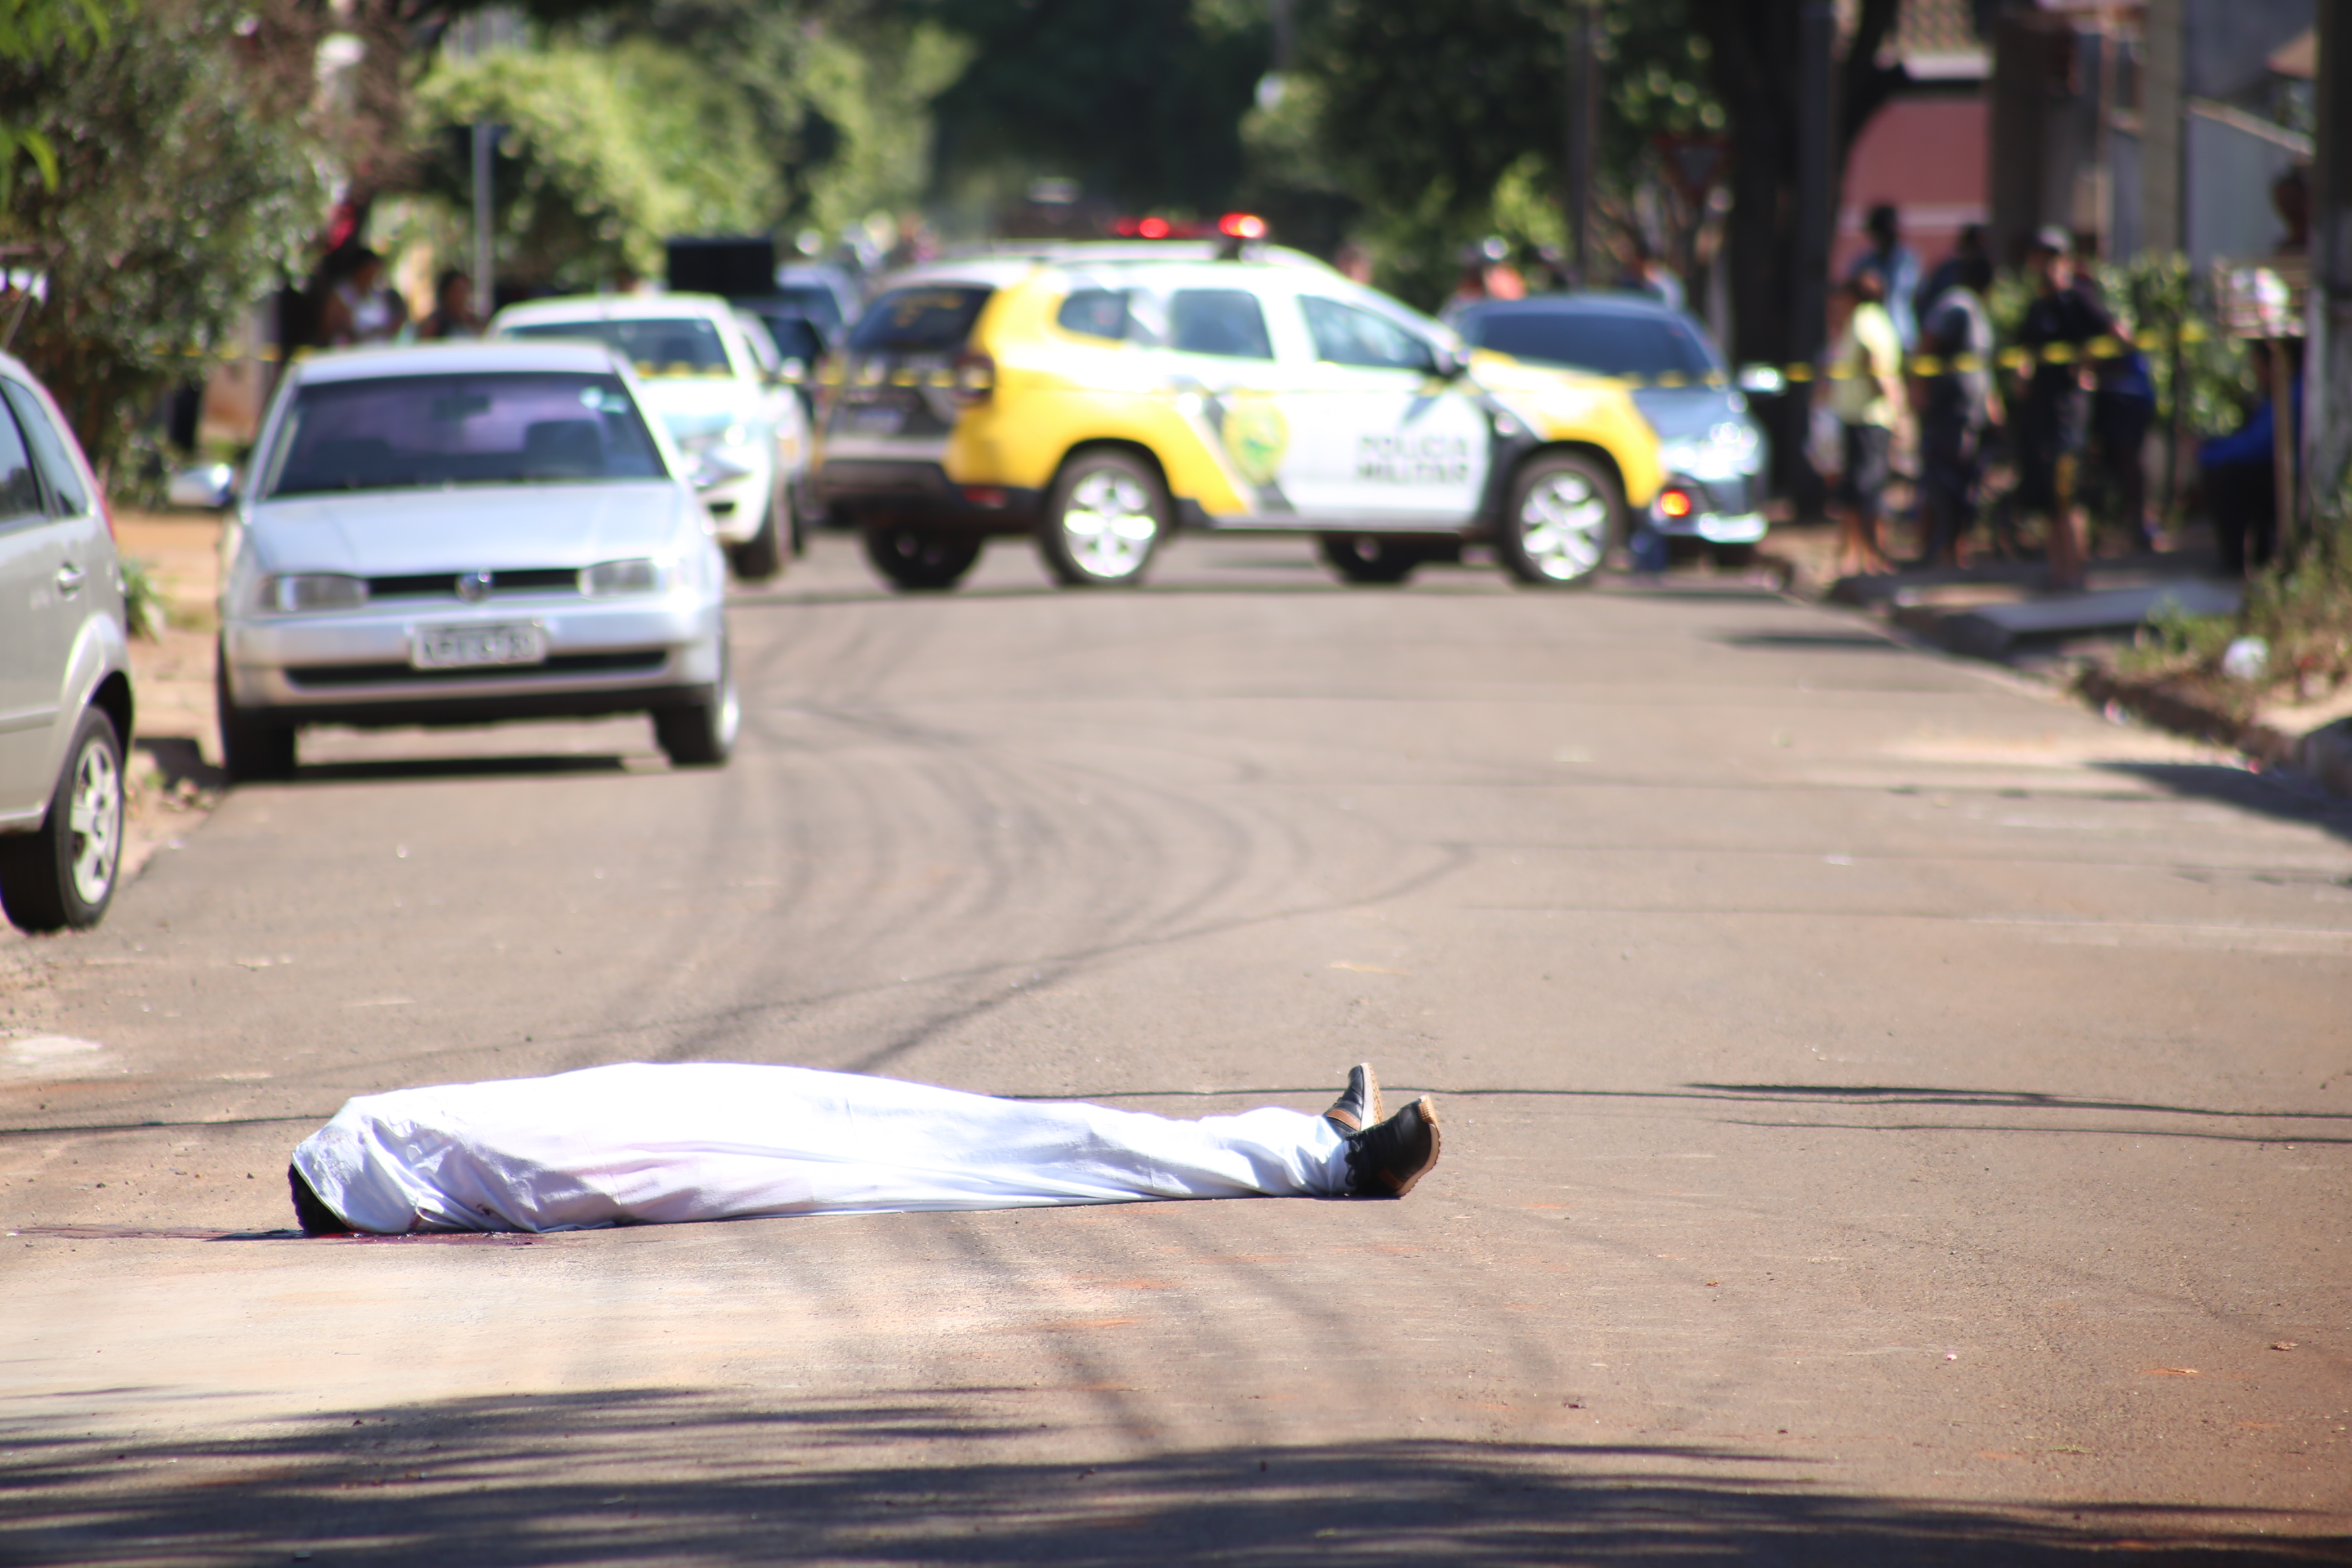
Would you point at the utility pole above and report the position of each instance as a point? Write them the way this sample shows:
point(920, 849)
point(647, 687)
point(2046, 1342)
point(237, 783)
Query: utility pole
point(1583, 134)
point(485, 140)
point(2327, 327)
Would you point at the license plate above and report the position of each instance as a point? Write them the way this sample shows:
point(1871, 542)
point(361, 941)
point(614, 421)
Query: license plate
point(455, 647)
point(876, 421)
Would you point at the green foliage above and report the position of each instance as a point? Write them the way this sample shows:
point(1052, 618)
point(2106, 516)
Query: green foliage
point(2162, 294)
point(1141, 102)
point(144, 604)
point(607, 151)
point(37, 30)
point(1446, 124)
point(181, 194)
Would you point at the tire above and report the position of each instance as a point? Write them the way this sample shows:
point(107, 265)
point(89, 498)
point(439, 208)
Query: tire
point(252, 750)
point(1564, 516)
point(918, 558)
point(702, 735)
point(762, 556)
point(1104, 521)
point(1368, 559)
point(64, 874)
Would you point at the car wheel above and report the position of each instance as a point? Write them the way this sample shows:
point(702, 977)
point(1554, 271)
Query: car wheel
point(1104, 521)
point(762, 556)
point(252, 750)
point(1368, 558)
point(64, 873)
point(1565, 513)
point(702, 734)
point(919, 558)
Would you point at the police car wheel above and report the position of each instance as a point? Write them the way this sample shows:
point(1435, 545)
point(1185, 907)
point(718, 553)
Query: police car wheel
point(1104, 521)
point(1368, 559)
point(1565, 514)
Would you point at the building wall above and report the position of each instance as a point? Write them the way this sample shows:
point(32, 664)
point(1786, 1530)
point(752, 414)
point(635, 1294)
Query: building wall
point(1927, 155)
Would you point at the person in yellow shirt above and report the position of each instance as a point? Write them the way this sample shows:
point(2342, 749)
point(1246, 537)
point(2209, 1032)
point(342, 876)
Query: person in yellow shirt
point(1866, 395)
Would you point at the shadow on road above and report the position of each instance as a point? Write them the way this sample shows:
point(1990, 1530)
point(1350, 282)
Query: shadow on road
point(654, 1475)
point(1813, 642)
point(178, 760)
point(456, 768)
point(2247, 791)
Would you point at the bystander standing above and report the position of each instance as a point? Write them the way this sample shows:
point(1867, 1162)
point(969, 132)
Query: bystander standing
point(359, 307)
point(1956, 409)
point(2239, 472)
point(2048, 423)
point(1897, 269)
point(453, 310)
point(1866, 394)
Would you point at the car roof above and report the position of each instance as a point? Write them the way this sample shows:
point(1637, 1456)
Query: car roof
point(458, 359)
point(619, 308)
point(1002, 268)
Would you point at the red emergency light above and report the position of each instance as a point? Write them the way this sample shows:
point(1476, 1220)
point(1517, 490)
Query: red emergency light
point(1242, 226)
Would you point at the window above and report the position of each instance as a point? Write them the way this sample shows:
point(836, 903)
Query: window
point(67, 495)
point(919, 321)
point(410, 431)
point(1346, 335)
point(1094, 313)
point(1224, 322)
point(20, 493)
point(682, 345)
point(1605, 342)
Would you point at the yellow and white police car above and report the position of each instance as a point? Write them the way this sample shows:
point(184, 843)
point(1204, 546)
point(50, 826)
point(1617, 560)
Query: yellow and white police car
point(1103, 397)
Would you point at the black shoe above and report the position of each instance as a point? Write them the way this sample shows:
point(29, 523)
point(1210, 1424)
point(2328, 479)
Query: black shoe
point(315, 1217)
point(1386, 1160)
point(1359, 1105)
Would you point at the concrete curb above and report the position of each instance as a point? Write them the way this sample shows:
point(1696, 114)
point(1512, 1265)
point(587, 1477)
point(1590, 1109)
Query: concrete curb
point(2325, 755)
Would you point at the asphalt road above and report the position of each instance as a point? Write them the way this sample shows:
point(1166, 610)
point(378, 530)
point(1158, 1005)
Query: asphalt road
point(1891, 1115)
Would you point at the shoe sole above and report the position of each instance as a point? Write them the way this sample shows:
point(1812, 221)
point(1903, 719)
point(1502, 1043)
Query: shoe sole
point(1436, 1143)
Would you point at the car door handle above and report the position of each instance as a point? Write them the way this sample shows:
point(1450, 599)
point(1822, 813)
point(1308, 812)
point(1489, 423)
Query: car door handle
point(71, 579)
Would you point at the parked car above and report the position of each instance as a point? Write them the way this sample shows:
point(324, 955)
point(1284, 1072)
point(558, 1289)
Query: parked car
point(1100, 398)
point(701, 376)
point(826, 295)
point(65, 670)
point(798, 341)
point(453, 535)
point(1713, 450)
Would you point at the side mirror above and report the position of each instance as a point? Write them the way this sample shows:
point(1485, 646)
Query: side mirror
point(1451, 363)
point(207, 488)
point(1762, 380)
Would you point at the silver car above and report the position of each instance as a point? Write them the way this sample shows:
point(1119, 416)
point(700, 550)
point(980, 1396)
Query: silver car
point(452, 535)
point(65, 670)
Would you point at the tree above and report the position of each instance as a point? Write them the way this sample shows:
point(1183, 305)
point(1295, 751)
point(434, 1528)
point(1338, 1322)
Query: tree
point(33, 30)
point(1758, 76)
point(183, 186)
point(1141, 101)
point(1448, 123)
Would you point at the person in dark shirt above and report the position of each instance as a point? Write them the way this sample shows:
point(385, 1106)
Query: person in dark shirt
point(2051, 421)
point(2239, 471)
point(1956, 408)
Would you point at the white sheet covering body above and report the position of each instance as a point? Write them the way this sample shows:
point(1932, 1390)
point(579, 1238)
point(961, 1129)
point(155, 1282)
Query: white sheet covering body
point(650, 1143)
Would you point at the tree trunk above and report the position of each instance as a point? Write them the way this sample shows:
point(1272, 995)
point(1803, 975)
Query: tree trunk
point(1754, 45)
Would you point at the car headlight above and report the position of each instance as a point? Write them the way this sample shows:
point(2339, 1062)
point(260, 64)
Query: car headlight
point(300, 591)
point(1726, 452)
point(704, 441)
point(638, 577)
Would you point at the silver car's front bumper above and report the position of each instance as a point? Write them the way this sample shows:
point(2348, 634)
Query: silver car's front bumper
point(355, 667)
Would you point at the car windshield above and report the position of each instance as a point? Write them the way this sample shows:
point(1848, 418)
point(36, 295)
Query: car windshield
point(935, 318)
point(813, 301)
point(1602, 340)
point(795, 337)
point(674, 345)
point(404, 432)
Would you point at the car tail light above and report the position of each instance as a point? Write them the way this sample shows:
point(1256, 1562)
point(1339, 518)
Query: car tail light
point(975, 377)
point(989, 497)
point(1675, 503)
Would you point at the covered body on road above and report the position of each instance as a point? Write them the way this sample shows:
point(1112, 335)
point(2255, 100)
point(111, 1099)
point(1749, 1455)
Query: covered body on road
point(640, 1143)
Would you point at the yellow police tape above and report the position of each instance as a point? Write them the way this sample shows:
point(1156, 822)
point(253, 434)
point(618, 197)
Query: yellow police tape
point(2010, 359)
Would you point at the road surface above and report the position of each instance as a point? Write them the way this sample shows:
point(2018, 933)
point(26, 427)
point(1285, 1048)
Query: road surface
point(1891, 1114)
